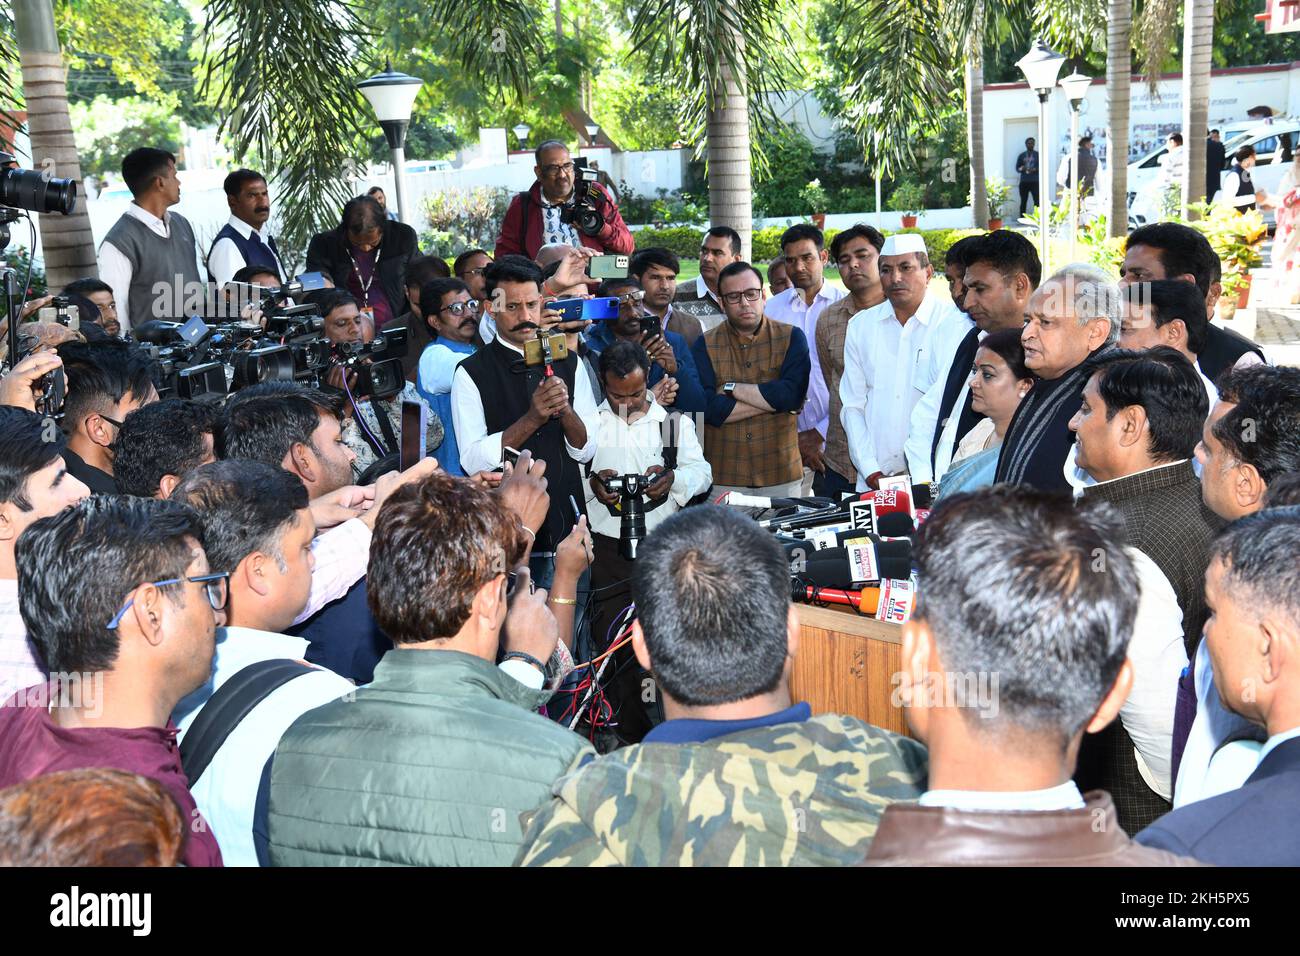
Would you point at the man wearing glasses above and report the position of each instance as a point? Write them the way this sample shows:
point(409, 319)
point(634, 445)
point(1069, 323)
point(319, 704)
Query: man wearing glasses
point(754, 373)
point(452, 315)
point(120, 601)
point(673, 378)
point(106, 382)
point(533, 219)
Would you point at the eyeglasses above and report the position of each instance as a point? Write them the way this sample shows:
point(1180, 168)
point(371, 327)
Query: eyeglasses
point(112, 421)
point(460, 308)
point(749, 295)
point(554, 169)
point(215, 586)
point(630, 298)
point(472, 272)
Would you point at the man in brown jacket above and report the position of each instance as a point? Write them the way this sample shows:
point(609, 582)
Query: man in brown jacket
point(1018, 648)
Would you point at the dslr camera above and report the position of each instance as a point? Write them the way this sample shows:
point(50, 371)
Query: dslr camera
point(585, 209)
point(37, 192)
point(377, 365)
point(631, 491)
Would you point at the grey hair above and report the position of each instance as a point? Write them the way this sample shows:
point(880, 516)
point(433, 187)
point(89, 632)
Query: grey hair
point(1093, 294)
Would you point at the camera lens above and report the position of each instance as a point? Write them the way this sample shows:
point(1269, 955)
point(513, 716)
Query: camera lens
point(28, 189)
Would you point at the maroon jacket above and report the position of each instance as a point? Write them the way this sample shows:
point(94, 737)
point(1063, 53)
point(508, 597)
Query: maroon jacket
point(520, 237)
point(32, 745)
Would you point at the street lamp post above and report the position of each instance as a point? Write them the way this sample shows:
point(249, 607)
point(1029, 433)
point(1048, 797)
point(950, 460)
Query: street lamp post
point(391, 96)
point(592, 129)
point(1041, 66)
point(1076, 88)
point(521, 133)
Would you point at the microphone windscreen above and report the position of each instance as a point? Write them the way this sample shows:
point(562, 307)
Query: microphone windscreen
point(157, 332)
point(922, 496)
point(895, 524)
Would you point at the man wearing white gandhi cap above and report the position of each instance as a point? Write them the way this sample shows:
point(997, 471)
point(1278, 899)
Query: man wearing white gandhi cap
point(888, 353)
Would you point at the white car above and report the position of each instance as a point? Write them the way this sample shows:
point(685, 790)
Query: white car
point(1265, 136)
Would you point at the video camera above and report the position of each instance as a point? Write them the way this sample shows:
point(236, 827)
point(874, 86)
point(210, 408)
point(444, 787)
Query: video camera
point(584, 209)
point(37, 192)
point(377, 364)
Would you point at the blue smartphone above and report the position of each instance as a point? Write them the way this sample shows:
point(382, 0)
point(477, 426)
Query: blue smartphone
point(602, 309)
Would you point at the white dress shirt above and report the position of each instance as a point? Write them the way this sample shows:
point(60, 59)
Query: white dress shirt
point(630, 449)
point(1228, 193)
point(226, 792)
point(1209, 767)
point(114, 267)
point(19, 668)
point(884, 363)
point(1065, 796)
point(925, 416)
point(226, 259)
point(1158, 655)
point(789, 307)
point(480, 451)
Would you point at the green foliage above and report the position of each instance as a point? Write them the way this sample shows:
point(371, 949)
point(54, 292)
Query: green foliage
point(17, 257)
point(998, 194)
point(106, 130)
point(424, 140)
point(1100, 248)
point(682, 207)
point(684, 241)
point(637, 112)
point(814, 197)
point(464, 220)
point(791, 164)
point(907, 197)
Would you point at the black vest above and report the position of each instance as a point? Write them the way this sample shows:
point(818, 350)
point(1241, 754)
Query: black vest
point(1245, 185)
point(254, 253)
point(506, 386)
point(1223, 347)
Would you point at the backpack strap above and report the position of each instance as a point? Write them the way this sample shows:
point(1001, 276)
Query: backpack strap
point(233, 701)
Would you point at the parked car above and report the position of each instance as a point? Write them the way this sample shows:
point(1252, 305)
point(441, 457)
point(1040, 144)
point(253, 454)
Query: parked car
point(1270, 166)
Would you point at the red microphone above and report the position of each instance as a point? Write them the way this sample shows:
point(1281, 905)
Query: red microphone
point(866, 600)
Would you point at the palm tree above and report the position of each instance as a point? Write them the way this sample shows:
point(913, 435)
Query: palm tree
point(974, 75)
point(729, 55)
point(67, 241)
point(1198, 36)
point(1119, 72)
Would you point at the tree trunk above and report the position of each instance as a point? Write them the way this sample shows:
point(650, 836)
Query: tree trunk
point(67, 243)
point(975, 117)
point(1119, 75)
point(1198, 36)
point(730, 180)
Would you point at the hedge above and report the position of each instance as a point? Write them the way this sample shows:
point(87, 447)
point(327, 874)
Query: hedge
point(765, 243)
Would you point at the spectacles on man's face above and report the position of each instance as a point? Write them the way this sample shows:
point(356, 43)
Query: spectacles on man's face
point(554, 169)
point(216, 586)
point(631, 298)
point(460, 308)
point(112, 421)
point(472, 272)
point(749, 295)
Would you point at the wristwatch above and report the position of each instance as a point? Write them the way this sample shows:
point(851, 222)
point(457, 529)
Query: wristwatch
point(729, 388)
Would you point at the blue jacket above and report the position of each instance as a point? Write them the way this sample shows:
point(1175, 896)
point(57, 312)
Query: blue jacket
point(1255, 825)
point(690, 396)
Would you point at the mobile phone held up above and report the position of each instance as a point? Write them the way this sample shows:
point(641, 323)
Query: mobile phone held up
point(608, 267)
point(415, 426)
point(604, 309)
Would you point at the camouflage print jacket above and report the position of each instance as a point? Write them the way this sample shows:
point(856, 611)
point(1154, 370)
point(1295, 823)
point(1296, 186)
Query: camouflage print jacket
point(795, 794)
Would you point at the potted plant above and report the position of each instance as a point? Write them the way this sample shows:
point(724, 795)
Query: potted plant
point(815, 198)
point(908, 198)
point(1236, 238)
point(996, 193)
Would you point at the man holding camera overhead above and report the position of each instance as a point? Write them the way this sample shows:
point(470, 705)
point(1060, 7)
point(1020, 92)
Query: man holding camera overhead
point(562, 206)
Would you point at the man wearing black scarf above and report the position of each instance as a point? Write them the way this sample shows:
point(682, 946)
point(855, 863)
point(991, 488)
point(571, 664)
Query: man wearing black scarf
point(1072, 316)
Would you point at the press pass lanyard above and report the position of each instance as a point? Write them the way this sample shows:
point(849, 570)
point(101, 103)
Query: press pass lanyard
point(365, 283)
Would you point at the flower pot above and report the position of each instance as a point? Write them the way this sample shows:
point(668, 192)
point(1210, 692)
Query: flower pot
point(995, 224)
point(819, 220)
point(1243, 291)
point(909, 222)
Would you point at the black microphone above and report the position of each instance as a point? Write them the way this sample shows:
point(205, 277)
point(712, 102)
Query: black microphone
point(157, 332)
point(849, 566)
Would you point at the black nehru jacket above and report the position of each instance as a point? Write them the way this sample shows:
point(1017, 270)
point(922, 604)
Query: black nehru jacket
point(506, 387)
point(1223, 349)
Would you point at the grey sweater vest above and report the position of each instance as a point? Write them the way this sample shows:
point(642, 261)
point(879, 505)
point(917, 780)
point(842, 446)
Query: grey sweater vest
point(164, 272)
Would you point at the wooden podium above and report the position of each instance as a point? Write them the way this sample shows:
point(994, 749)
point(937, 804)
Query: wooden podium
point(846, 664)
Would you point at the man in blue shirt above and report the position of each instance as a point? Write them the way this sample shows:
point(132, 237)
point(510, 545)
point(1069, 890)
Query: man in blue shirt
point(452, 317)
point(721, 665)
point(670, 356)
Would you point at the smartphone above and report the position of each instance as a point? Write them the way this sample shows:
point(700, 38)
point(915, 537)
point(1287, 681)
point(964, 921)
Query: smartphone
point(608, 267)
point(509, 454)
point(533, 349)
point(415, 427)
point(603, 309)
point(651, 325)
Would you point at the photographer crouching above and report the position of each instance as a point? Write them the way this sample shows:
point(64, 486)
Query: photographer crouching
point(648, 465)
point(566, 205)
point(368, 371)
